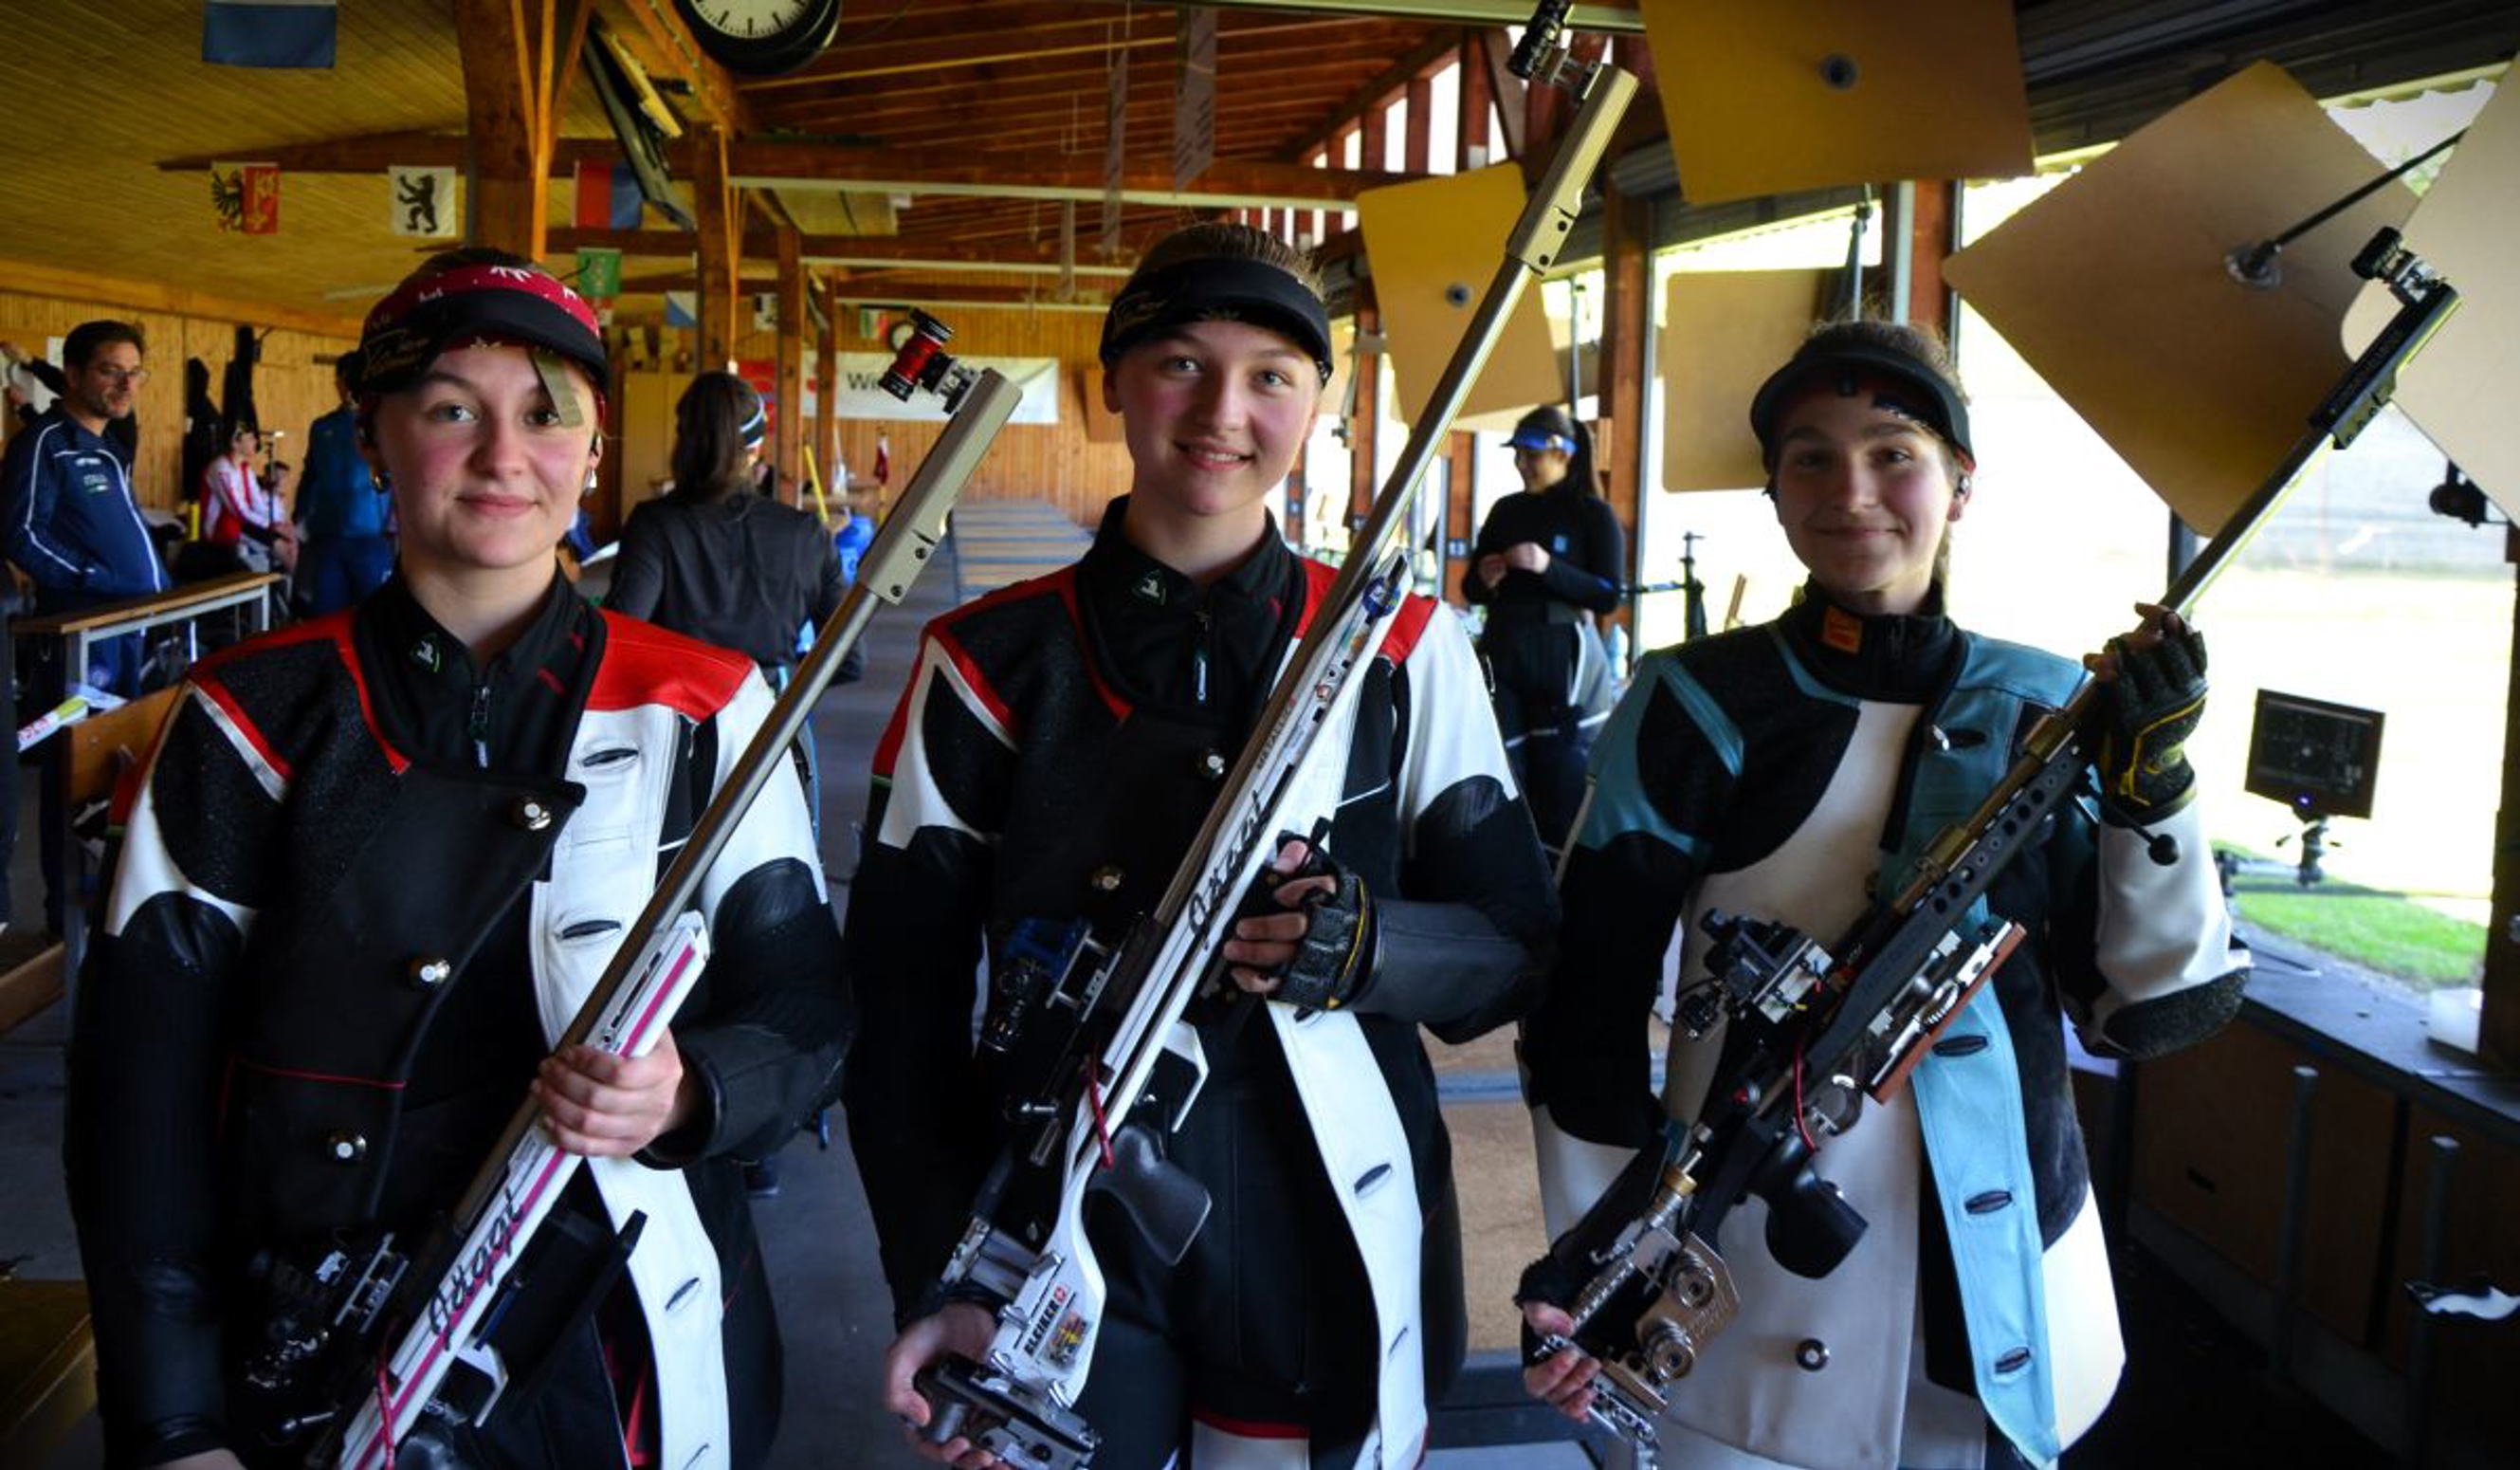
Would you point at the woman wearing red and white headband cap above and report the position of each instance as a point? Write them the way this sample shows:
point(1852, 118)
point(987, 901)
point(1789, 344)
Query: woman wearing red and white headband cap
point(372, 870)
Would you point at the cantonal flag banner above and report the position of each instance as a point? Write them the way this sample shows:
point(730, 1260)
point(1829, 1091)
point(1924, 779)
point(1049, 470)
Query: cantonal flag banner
point(268, 32)
point(422, 200)
point(247, 196)
point(608, 197)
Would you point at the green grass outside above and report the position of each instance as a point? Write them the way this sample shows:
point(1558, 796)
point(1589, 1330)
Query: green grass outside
point(2381, 931)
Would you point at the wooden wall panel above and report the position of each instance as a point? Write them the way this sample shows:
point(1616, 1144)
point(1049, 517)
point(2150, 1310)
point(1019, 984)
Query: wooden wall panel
point(2223, 1184)
point(1053, 463)
point(293, 386)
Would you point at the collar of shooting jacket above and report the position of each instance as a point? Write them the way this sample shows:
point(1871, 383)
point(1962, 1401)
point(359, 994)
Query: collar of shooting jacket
point(1145, 621)
point(1899, 658)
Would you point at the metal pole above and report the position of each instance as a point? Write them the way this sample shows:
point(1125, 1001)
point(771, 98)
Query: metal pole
point(2421, 1346)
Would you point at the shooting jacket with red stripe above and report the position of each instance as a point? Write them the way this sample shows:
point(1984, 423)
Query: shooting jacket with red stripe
point(261, 989)
point(1056, 748)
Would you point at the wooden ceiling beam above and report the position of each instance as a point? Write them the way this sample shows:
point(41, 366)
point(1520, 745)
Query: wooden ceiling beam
point(853, 251)
point(83, 284)
point(990, 103)
point(374, 153)
point(1020, 45)
point(781, 163)
point(898, 291)
point(1427, 56)
point(1235, 129)
point(1617, 20)
point(760, 163)
point(504, 127)
point(1343, 66)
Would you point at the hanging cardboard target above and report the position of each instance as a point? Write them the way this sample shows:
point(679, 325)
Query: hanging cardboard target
point(2116, 287)
point(1764, 99)
point(1723, 333)
point(2464, 388)
point(1433, 246)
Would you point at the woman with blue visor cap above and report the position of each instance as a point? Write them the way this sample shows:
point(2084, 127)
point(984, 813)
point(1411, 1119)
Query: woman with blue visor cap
point(1547, 563)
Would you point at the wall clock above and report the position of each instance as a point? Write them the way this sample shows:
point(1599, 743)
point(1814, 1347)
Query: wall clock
point(760, 37)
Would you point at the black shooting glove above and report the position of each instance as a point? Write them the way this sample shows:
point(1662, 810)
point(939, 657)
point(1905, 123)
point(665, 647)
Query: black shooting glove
point(2151, 708)
point(1335, 959)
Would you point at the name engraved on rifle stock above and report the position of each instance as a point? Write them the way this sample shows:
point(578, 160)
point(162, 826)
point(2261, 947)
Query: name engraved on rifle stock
point(471, 1273)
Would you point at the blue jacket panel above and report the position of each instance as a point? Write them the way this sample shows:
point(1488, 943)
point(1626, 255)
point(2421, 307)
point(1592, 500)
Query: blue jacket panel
point(71, 523)
point(340, 498)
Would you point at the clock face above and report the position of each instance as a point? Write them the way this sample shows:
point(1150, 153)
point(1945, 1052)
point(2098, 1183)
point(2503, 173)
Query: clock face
point(760, 37)
point(750, 20)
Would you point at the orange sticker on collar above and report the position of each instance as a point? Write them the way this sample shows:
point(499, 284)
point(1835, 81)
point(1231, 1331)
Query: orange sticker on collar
point(1841, 630)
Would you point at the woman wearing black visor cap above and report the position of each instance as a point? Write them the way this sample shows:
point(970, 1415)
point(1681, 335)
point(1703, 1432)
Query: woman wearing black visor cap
point(1547, 563)
point(1787, 772)
point(375, 863)
point(1059, 745)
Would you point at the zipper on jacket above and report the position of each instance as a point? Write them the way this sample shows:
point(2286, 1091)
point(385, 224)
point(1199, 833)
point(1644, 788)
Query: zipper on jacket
point(478, 725)
point(1199, 657)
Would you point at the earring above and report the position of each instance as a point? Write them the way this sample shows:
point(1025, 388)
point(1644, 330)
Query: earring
point(592, 481)
point(1962, 488)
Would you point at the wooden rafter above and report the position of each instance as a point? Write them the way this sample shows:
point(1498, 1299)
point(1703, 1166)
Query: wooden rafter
point(1423, 58)
point(1022, 46)
point(826, 249)
point(1039, 175)
point(772, 163)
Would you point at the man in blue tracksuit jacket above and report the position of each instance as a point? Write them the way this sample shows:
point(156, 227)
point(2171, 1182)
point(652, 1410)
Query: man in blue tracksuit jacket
point(70, 524)
point(65, 497)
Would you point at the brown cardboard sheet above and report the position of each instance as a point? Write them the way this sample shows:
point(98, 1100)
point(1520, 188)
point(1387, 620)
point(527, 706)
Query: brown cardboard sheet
point(1433, 246)
point(1723, 333)
point(2114, 285)
point(2464, 388)
point(1758, 103)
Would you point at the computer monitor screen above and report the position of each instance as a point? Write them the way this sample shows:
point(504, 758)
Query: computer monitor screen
point(2319, 759)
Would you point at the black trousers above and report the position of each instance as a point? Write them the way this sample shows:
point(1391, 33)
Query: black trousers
point(1553, 691)
point(1267, 1322)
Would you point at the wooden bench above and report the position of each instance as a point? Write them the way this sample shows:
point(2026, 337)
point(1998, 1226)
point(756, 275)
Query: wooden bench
point(47, 1354)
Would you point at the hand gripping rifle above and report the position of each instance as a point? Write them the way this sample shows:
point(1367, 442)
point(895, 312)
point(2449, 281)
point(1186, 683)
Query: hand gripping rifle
point(1093, 1039)
point(1814, 1031)
point(379, 1349)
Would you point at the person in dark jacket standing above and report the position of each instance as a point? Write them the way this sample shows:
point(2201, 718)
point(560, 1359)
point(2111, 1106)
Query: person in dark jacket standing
point(1549, 563)
point(1057, 749)
point(712, 560)
point(341, 507)
point(374, 867)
